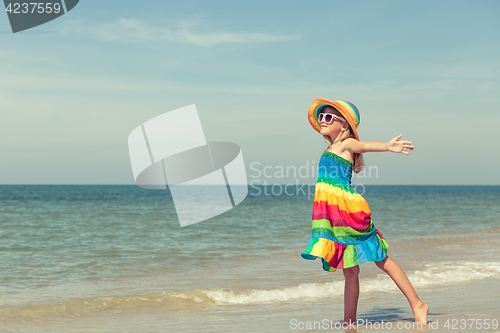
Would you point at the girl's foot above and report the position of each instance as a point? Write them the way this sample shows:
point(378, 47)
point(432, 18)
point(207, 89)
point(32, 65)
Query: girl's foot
point(420, 313)
point(350, 326)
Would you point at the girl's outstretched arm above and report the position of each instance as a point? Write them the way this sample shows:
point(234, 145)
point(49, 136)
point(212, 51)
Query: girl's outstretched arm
point(395, 145)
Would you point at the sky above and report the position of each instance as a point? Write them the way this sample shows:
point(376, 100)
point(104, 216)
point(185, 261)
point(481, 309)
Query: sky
point(73, 89)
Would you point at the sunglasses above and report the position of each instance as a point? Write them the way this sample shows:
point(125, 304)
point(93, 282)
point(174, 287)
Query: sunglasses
point(328, 118)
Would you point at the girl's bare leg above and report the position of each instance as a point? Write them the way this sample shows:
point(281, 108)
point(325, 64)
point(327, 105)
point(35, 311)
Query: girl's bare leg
point(399, 277)
point(351, 293)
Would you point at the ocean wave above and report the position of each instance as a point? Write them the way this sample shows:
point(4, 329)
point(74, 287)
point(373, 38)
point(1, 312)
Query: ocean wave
point(431, 275)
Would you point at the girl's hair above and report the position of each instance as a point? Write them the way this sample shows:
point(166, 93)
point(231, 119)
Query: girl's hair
point(358, 164)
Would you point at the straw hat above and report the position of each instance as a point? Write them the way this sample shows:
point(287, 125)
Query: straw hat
point(346, 109)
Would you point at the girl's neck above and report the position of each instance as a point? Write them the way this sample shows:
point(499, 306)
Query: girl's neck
point(334, 142)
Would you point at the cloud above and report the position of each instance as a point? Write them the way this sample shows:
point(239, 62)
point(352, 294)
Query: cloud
point(134, 30)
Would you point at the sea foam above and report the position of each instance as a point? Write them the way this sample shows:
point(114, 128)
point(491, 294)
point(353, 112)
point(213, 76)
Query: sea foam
point(433, 275)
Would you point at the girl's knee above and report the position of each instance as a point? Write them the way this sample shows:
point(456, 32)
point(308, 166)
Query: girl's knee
point(351, 271)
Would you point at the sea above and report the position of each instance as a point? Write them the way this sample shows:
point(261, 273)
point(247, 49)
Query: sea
point(114, 258)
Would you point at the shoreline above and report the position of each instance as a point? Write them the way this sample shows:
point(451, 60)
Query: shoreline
point(469, 300)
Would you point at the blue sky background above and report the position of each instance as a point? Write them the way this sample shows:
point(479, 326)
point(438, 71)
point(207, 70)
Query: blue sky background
point(72, 90)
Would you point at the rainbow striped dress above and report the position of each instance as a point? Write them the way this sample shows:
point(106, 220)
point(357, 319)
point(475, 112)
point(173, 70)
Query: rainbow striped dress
point(343, 233)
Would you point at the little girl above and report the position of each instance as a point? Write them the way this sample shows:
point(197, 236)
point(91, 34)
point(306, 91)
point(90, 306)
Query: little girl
point(343, 233)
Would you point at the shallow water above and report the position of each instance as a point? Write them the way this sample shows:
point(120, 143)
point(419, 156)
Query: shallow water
point(115, 258)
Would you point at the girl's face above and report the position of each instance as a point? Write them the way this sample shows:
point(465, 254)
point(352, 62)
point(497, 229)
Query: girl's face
point(335, 127)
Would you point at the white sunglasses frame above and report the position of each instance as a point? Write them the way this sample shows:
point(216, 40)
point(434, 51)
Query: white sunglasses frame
point(334, 116)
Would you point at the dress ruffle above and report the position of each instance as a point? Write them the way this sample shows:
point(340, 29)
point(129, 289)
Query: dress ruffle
point(338, 256)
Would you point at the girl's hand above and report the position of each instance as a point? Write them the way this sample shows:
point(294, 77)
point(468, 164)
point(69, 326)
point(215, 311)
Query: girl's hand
point(397, 146)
